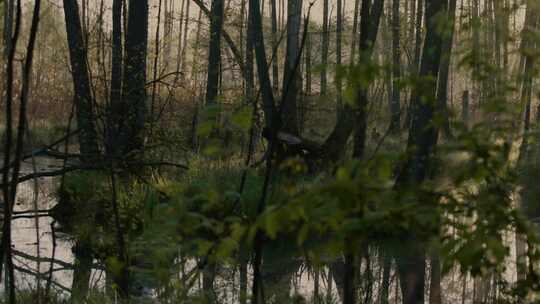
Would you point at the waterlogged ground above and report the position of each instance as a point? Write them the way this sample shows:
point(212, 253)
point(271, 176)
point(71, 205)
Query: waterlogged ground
point(32, 236)
point(38, 259)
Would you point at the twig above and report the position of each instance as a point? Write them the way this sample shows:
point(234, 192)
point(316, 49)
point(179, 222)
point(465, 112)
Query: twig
point(60, 286)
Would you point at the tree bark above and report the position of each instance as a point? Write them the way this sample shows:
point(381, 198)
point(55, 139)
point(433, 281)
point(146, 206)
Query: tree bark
point(368, 33)
point(291, 75)
point(81, 82)
point(214, 52)
point(435, 295)
point(82, 270)
point(418, 35)
point(442, 91)
point(385, 288)
point(185, 37)
point(423, 136)
point(354, 32)
point(275, 47)
point(335, 145)
point(243, 281)
point(256, 30)
point(134, 80)
point(8, 25)
point(339, 31)
point(396, 69)
point(115, 102)
point(465, 113)
point(324, 48)
point(418, 41)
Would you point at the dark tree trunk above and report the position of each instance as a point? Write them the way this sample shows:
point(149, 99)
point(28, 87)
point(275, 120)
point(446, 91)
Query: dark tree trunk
point(335, 145)
point(368, 34)
point(232, 46)
point(134, 81)
point(423, 133)
point(423, 136)
point(250, 69)
point(435, 295)
point(308, 52)
point(256, 31)
point(155, 67)
point(8, 25)
point(417, 53)
point(209, 274)
point(349, 279)
point(339, 31)
point(418, 35)
point(444, 73)
point(396, 69)
point(81, 82)
point(316, 285)
point(275, 69)
point(82, 271)
point(354, 32)
point(291, 75)
point(324, 48)
point(115, 102)
point(10, 186)
point(214, 51)
point(337, 272)
point(465, 109)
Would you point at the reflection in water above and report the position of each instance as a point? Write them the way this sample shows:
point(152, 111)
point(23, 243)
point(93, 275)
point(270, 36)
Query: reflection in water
point(27, 239)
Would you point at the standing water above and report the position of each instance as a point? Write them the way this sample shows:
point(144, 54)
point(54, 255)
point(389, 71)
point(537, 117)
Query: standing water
point(39, 256)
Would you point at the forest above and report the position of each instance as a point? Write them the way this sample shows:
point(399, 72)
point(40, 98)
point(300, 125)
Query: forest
point(270, 151)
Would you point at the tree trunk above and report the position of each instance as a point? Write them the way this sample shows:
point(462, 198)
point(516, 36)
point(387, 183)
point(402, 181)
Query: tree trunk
point(243, 281)
point(291, 75)
point(476, 52)
point(256, 30)
point(354, 32)
point(81, 82)
point(134, 80)
point(185, 37)
point(8, 25)
point(385, 288)
point(316, 284)
point(335, 145)
point(209, 274)
point(330, 281)
point(275, 47)
point(528, 47)
point(368, 33)
point(442, 91)
point(417, 53)
point(82, 271)
point(214, 52)
point(396, 69)
point(155, 68)
point(324, 48)
point(421, 146)
point(465, 113)
point(349, 279)
point(435, 295)
point(339, 30)
point(115, 102)
point(250, 69)
point(180, 33)
point(418, 32)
